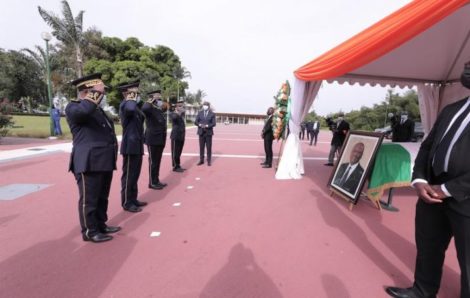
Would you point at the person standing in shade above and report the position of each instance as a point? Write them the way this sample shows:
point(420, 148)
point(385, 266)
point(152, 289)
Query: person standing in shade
point(56, 120)
point(178, 133)
point(302, 131)
point(340, 130)
point(441, 178)
point(403, 128)
point(132, 145)
point(205, 122)
point(268, 135)
point(155, 136)
point(315, 132)
point(93, 158)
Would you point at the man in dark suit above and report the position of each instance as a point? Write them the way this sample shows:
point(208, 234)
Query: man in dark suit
point(441, 177)
point(340, 130)
point(132, 145)
point(350, 173)
point(93, 157)
point(205, 122)
point(178, 134)
point(302, 131)
point(155, 136)
point(315, 132)
point(268, 135)
point(402, 128)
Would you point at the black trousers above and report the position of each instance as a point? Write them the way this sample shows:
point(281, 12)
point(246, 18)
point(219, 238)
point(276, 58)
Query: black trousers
point(155, 159)
point(435, 224)
point(131, 166)
point(176, 150)
point(302, 134)
point(268, 149)
point(93, 188)
point(205, 141)
point(313, 136)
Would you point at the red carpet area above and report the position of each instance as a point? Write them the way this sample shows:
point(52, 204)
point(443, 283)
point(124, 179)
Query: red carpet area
point(230, 230)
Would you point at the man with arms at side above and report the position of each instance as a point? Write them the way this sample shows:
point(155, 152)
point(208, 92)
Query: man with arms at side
point(132, 145)
point(93, 157)
point(268, 135)
point(441, 177)
point(315, 132)
point(205, 122)
point(155, 136)
point(350, 173)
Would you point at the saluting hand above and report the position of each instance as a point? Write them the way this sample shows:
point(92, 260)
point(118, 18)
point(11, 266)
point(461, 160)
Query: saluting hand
point(429, 193)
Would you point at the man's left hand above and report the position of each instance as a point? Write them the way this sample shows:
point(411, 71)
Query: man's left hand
point(438, 190)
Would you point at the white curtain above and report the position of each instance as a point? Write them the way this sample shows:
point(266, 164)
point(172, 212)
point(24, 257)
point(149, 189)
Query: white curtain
point(291, 165)
point(428, 97)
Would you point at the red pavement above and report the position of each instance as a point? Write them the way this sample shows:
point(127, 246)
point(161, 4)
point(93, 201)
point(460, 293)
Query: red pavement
point(238, 233)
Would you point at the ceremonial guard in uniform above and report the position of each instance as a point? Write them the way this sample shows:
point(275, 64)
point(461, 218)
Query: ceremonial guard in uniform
point(177, 136)
point(155, 136)
point(132, 145)
point(93, 157)
point(205, 122)
point(268, 136)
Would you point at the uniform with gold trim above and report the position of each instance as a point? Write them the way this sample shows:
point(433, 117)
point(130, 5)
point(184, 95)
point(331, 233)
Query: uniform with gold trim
point(132, 145)
point(155, 136)
point(93, 157)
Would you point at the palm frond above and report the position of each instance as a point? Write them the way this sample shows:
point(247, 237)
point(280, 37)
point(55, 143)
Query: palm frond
point(69, 21)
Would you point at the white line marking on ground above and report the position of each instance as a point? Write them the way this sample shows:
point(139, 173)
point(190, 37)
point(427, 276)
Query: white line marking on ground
point(155, 234)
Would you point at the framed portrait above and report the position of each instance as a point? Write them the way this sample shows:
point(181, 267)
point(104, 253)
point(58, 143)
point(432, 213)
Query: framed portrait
point(354, 163)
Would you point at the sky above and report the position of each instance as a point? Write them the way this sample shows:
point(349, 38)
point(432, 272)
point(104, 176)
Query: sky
point(238, 52)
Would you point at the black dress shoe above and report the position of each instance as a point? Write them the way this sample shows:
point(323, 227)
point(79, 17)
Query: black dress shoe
point(329, 164)
point(161, 184)
point(209, 163)
point(98, 238)
point(178, 170)
point(140, 203)
point(263, 163)
point(200, 163)
point(403, 293)
point(155, 186)
point(266, 166)
point(132, 208)
point(110, 230)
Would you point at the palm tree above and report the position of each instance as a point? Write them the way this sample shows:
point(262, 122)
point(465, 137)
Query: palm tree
point(200, 94)
point(68, 30)
point(39, 58)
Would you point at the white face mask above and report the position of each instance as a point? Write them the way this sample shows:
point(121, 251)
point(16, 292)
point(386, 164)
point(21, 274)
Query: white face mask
point(340, 118)
point(104, 102)
point(159, 103)
point(138, 99)
point(404, 117)
point(205, 107)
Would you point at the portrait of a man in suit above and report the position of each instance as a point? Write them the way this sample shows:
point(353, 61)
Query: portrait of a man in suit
point(349, 174)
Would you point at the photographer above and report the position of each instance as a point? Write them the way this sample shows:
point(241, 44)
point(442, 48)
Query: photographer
point(402, 127)
point(340, 129)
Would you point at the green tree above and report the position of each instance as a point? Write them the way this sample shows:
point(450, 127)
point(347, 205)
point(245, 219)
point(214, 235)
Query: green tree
point(68, 30)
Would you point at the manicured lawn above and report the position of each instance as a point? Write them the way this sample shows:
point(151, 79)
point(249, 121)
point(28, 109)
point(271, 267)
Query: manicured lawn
point(39, 127)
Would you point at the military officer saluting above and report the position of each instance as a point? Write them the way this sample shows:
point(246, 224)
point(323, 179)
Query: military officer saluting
point(155, 136)
point(178, 133)
point(132, 145)
point(93, 157)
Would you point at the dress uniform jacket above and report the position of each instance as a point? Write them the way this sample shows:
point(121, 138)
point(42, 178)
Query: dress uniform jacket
point(178, 131)
point(155, 132)
point(132, 120)
point(94, 140)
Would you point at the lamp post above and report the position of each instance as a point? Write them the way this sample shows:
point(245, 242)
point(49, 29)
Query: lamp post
point(47, 37)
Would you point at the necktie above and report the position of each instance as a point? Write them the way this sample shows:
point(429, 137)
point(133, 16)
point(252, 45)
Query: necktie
point(345, 176)
point(205, 114)
point(441, 152)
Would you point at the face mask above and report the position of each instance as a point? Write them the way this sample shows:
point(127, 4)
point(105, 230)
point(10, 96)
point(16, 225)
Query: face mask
point(103, 103)
point(340, 118)
point(465, 77)
point(205, 107)
point(159, 103)
point(138, 99)
point(404, 117)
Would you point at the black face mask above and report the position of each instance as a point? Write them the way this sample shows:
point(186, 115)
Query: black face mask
point(465, 77)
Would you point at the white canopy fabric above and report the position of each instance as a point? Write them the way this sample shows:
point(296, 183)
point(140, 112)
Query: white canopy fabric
point(432, 61)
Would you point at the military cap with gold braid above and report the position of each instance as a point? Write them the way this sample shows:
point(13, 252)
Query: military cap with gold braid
point(87, 82)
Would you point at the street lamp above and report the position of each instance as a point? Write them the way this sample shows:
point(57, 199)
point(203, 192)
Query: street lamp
point(47, 37)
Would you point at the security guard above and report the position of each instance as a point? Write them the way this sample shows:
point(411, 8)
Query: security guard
point(155, 136)
point(93, 157)
point(132, 145)
point(178, 132)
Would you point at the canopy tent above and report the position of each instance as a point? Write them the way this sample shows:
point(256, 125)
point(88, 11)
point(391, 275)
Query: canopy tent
point(424, 44)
